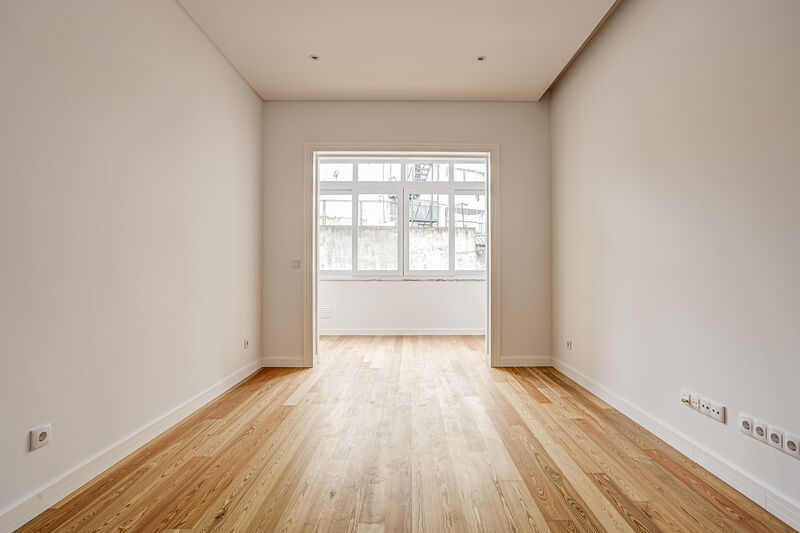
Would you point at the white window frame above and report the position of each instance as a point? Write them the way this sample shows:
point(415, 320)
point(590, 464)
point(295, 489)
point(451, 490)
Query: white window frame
point(402, 188)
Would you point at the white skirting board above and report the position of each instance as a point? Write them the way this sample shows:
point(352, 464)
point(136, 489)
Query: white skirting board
point(402, 331)
point(525, 360)
point(758, 491)
point(284, 362)
point(29, 507)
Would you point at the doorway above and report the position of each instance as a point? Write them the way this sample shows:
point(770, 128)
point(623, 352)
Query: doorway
point(400, 241)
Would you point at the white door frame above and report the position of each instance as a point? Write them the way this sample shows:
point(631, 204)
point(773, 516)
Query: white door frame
point(309, 259)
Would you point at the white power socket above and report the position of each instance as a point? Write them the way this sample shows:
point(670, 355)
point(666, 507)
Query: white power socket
point(788, 443)
point(746, 424)
point(717, 411)
point(791, 445)
point(40, 436)
point(708, 407)
point(686, 397)
point(759, 430)
point(705, 406)
point(775, 437)
point(694, 401)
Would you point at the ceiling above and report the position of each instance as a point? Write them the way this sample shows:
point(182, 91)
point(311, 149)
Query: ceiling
point(399, 49)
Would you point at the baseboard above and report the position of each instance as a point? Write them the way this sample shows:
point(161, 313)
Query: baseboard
point(402, 331)
point(525, 360)
point(30, 506)
point(758, 491)
point(297, 361)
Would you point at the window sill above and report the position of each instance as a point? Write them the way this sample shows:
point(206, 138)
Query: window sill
point(371, 278)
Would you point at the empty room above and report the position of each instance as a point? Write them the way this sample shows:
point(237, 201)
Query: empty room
point(524, 265)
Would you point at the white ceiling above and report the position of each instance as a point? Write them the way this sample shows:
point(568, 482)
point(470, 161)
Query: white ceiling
point(399, 49)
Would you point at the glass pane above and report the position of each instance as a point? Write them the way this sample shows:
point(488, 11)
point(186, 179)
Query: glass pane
point(470, 218)
point(427, 171)
point(335, 232)
point(428, 238)
point(334, 171)
point(377, 231)
point(470, 171)
point(379, 172)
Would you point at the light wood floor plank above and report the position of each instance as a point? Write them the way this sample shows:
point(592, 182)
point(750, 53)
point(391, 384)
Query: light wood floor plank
point(392, 434)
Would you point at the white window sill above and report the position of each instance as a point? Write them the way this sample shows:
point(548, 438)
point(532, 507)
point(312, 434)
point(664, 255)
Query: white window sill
point(376, 278)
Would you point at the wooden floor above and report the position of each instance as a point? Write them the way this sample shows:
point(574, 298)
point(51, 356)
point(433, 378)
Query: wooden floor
point(406, 433)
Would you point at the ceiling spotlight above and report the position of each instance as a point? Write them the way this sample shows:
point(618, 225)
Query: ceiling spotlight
point(481, 58)
point(314, 57)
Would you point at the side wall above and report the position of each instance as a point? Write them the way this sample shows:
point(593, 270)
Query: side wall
point(676, 209)
point(130, 191)
point(521, 130)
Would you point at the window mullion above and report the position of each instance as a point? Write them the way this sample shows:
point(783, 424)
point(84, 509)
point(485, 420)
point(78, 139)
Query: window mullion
point(470, 188)
point(354, 227)
point(326, 186)
point(406, 270)
point(452, 233)
point(402, 222)
point(451, 260)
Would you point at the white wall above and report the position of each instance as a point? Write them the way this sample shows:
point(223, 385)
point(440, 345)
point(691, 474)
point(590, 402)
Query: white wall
point(676, 222)
point(403, 307)
point(521, 130)
point(130, 159)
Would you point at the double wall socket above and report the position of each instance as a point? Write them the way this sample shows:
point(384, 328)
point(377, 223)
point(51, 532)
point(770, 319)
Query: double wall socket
point(788, 443)
point(704, 405)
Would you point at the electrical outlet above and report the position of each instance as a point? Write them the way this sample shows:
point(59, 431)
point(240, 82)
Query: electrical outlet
point(686, 397)
point(40, 436)
point(760, 430)
point(705, 406)
point(246, 344)
point(568, 344)
point(708, 407)
point(791, 445)
point(746, 424)
point(788, 443)
point(717, 411)
point(775, 437)
point(695, 401)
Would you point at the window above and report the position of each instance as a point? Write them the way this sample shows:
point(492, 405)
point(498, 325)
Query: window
point(377, 232)
point(470, 219)
point(427, 171)
point(428, 232)
point(379, 171)
point(402, 216)
point(334, 171)
point(335, 232)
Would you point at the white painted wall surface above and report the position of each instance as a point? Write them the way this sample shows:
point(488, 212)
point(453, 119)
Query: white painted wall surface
point(521, 130)
point(130, 160)
point(676, 176)
point(403, 307)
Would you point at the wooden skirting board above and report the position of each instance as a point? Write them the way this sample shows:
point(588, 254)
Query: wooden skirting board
point(406, 434)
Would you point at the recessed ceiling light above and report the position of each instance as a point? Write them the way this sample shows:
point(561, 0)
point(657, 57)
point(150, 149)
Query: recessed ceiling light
point(313, 57)
point(481, 58)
